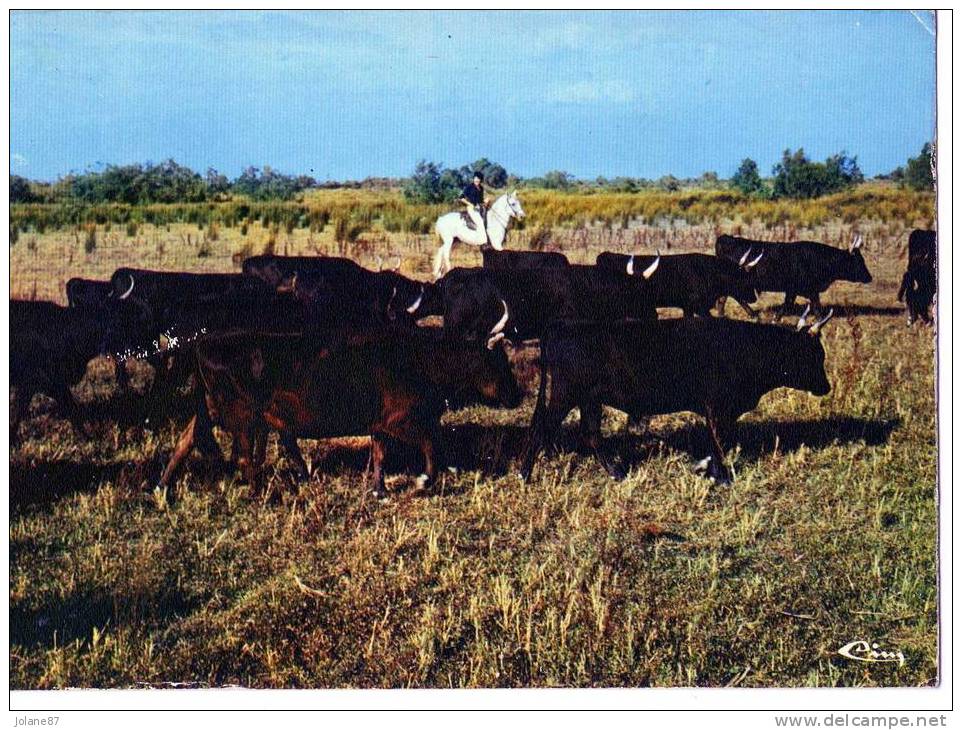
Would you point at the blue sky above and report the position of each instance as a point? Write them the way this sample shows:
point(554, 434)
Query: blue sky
point(344, 95)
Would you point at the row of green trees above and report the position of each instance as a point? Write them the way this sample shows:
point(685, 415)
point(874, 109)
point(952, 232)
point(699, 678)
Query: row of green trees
point(434, 183)
point(167, 182)
point(796, 176)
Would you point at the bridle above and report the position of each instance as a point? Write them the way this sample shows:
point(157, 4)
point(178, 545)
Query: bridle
point(497, 216)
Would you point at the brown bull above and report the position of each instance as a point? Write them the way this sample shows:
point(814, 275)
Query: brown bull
point(382, 384)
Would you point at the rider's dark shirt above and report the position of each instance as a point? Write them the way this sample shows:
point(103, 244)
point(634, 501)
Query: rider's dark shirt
point(473, 194)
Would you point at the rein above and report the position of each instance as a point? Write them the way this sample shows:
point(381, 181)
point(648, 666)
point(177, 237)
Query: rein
point(497, 217)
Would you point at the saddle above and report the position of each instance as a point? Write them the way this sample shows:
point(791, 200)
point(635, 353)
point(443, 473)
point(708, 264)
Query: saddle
point(468, 220)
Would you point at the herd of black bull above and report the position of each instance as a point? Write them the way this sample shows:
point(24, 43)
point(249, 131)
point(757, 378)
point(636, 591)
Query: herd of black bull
point(315, 347)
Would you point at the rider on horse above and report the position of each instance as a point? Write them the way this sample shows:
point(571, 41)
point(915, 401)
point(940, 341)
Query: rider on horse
point(473, 197)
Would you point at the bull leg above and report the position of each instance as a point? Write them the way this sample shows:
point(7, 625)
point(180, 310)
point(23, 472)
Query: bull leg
point(789, 303)
point(816, 303)
point(204, 434)
point(19, 405)
point(720, 305)
point(641, 424)
point(260, 446)
point(69, 408)
point(244, 442)
point(906, 284)
point(185, 445)
point(748, 310)
point(591, 433)
point(423, 437)
point(911, 308)
point(120, 375)
point(378, 452)
point(289, 442)
point(426, 443)
point(259, 453)
point(721, 430)
point(543, 434)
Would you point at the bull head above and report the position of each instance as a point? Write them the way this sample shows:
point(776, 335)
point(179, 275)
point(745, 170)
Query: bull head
point(129, 289)
point(754, 262)
point(744, 258)
point(497, 332)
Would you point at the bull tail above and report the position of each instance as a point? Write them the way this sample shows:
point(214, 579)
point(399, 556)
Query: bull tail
point(536, 433)
point(905, 284)
point(541, 405)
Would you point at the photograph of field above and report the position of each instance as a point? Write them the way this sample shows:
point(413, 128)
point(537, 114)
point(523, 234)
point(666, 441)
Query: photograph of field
point(643, 558)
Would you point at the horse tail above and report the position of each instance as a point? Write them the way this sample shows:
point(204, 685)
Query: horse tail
point(439, 258)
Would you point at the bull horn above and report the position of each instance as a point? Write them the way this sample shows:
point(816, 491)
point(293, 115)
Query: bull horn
point(398, 265)
point(744, 258)
point(818, 325)
point(751, 264)
point(496, 334)
point(654, 265)
point(417, 302)
point(494, 340)
point(380, 263)
point(630, 268)
point(802, 321)
point(856, 242)
point(129, 289)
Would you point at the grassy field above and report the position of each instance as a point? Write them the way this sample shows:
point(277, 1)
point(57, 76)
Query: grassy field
point(828, 534)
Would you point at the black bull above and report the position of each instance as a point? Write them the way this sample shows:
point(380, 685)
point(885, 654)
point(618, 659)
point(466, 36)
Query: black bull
point(493, 259)
point(339, 289)
point(386, 384)
point(487, 304)
point(181, 303)
point(803, 268)
point(692, 282)
point(92, 296)
point(717, 368)
point(919, 282)
point(50, 347)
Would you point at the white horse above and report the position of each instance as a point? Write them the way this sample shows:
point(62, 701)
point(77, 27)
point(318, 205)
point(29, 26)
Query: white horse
point(451, 227)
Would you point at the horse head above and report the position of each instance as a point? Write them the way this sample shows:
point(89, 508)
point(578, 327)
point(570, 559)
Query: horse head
point(514, 205)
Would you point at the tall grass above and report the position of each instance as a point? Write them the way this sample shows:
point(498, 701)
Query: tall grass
point(869, 202)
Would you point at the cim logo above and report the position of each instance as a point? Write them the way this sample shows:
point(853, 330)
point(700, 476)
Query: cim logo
point(862, 651)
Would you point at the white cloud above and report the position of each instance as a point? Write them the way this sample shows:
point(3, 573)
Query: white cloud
point(18, 160)
point(588, 92)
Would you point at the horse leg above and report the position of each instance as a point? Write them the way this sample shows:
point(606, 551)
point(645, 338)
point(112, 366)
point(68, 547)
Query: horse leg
point(442, 258)
point(447, 256)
